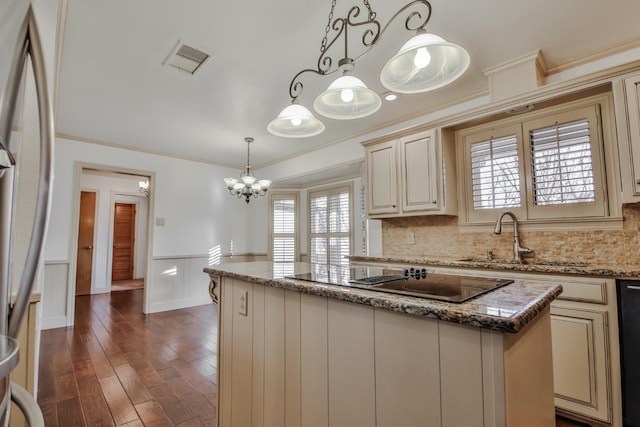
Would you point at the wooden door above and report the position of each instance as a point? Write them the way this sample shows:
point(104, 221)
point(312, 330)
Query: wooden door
point(124, 226)
point(85, 242)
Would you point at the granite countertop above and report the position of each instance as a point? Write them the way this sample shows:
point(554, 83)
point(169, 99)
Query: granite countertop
point(576, 268)
point(506, 309)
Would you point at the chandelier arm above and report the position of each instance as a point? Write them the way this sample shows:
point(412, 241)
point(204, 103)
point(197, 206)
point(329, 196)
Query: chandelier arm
point(373, 33)
point(296, 87)
point(420, 23)
point(408, 25)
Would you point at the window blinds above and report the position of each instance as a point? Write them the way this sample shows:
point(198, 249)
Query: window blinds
point(284, 226)
point(330, 228)
point(562, 164)
point(495, 175)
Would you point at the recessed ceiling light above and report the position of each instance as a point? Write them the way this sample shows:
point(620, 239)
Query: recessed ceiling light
point(389, 96)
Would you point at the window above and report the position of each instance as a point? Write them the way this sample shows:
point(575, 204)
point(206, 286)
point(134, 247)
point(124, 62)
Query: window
point(330, 226)
point(543, 166)
point(284, 226)
point(562, 164)
point(494, 173)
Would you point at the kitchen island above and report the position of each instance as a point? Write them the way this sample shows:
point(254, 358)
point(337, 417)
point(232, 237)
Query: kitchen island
point(299, 353)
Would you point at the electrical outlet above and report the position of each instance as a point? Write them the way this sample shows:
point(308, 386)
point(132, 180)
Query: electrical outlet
point(244, 302)
point(410, 238)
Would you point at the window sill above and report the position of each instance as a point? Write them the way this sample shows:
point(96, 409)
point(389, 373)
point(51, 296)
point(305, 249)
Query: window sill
point(562, 224)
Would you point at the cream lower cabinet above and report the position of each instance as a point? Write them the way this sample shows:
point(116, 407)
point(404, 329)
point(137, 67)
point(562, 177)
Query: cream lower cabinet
point(298, 360)
point(580, 353)
point(586, 351)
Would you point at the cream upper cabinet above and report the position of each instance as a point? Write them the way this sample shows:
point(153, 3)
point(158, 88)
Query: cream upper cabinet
point(419, 173)
point(382, 178)
point(405, 176)
point(627, 99)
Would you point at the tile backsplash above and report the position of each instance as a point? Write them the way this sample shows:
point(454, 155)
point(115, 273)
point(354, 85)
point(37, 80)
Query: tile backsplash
point(439, 236)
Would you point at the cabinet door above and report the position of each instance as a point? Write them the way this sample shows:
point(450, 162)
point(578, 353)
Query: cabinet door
point(580, 360)
point(632, 88)
point(382, 178)
point(419, 173)
point(351, 365)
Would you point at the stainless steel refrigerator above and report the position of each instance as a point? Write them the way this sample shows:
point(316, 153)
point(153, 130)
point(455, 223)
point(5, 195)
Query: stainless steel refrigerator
point(20, 55)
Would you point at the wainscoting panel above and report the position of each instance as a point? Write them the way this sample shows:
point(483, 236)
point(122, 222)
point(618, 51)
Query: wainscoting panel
point(55, 295)
point(178, 283)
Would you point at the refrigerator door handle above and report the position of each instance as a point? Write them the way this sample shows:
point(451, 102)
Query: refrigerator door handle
point(43, 201)
point(27, 405)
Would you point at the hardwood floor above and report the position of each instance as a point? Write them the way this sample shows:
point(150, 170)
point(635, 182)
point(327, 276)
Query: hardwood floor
point(117, 366)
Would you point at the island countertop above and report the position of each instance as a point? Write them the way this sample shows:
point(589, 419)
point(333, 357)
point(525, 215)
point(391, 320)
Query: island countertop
point(572, 268)
point(506, 309)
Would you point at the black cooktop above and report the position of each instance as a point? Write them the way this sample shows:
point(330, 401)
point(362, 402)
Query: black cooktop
point(340, 275)
point(410, 281)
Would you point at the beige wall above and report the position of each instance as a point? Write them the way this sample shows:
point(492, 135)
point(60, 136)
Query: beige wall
point(438, 236)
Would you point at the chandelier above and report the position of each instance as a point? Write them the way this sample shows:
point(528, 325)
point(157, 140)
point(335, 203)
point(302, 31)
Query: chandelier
point(425, 62)
point(248, 185)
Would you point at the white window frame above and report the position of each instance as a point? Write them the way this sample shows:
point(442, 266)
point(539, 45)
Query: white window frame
point(605, 213)
point(281, 195)
point(337, 189)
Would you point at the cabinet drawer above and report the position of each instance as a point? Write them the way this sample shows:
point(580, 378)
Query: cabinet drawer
point(594, 292)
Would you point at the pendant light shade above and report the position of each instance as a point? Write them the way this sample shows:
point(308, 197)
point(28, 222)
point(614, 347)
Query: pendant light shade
point(425, 62)
point(295, 121)
point(347, 98)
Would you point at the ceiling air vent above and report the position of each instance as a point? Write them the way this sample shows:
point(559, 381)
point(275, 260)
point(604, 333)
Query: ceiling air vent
point(186, 58)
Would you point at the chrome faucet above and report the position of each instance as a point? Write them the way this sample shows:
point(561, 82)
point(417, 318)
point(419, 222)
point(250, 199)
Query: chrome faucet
point(518, 250)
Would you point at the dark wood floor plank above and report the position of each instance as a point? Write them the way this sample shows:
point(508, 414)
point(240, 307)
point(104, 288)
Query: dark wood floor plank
point(132, 384)
point(152, 414)
point(171, 404)
point(94, 406)
point(121, 407)
point(70, 413)
point(193, 400)
point(49, 412)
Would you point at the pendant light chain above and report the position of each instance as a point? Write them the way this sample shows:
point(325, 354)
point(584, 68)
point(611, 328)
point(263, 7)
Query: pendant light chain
point(372, 14)
point(323, 45)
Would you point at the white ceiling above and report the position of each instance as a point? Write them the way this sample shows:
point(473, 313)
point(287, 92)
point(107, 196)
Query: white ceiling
point(114, 89)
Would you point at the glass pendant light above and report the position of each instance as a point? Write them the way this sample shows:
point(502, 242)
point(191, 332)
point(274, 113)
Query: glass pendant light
point(347, 97)
point(425, 62)
point(295, 121)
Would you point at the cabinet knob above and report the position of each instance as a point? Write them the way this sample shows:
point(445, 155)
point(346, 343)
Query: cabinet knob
point(638, 181)
point(434, 201)
point(393, 206)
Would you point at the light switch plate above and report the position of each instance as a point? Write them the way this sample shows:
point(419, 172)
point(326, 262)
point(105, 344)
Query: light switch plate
point(243, 300)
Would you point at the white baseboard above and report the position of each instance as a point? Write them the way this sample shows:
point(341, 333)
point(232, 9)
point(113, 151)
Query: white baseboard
point(178, 304)
point(53, 322)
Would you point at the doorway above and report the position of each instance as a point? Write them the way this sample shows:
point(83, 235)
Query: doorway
point(121, 232)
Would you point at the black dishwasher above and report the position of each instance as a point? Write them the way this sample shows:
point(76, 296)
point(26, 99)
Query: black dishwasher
point(629, 309)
